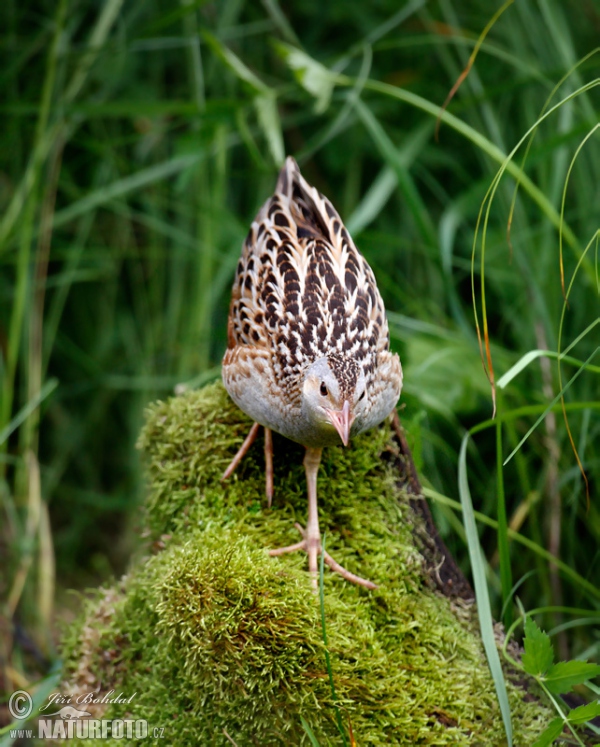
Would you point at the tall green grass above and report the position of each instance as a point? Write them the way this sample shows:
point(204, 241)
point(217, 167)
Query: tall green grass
point(138, 141)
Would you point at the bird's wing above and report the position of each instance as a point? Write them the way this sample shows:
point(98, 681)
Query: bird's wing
point(301, 286)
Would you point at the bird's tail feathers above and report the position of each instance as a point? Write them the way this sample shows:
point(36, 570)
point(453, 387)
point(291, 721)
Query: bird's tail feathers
point(311, 211)
point(288, 176)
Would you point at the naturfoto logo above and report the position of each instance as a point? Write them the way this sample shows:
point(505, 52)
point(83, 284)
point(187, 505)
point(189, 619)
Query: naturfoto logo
point(73, 720)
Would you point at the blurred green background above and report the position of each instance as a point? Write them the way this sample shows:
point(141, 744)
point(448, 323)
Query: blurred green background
point(138, 140)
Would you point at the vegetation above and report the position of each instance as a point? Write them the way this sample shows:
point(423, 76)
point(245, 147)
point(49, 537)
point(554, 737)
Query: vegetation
point(139, 140)
point(239, 633)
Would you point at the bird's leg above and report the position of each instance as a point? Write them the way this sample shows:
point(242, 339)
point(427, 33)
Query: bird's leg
point(329, 561)
point(335, 566)
point(269, 465)
point(243, 450)
point(312, 536)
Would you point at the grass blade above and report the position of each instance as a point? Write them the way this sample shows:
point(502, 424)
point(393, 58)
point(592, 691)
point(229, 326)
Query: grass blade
point(338, 716)
point(484, 610)
point(503, 548)
point(549, 407)
point(27, 409)
point(565, 569)
point(311, 735)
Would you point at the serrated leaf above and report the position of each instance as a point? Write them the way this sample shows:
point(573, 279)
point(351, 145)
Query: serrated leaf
point(550, 733)
point(561, 677)
point(585, 713)
point(538, 656)
point(310, 74)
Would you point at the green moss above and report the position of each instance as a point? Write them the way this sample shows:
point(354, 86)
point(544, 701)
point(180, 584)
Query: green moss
point(212, 634)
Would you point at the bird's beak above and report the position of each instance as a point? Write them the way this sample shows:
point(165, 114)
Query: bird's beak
point(342, 420)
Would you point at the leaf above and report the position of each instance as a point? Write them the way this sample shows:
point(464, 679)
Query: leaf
point(533, 355)
point(268, 118)
point(373, 201)
point(519, 366)
point(265, 99)
point(121, 187)
point(27, 409)
point(397, 161)
point(550, 733)
point(309, 731)
point(563, 676)
point(484, 611)
point(234, 63)
point(585, 713)
point(550, 406)
point(538, 656)
point(310, 74)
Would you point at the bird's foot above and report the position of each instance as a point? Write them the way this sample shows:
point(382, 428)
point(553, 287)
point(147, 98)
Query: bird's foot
point(314, 548)
point(243, 450)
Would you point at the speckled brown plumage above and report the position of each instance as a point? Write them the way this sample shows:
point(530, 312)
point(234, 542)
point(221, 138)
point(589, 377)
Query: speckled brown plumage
point(308, 344)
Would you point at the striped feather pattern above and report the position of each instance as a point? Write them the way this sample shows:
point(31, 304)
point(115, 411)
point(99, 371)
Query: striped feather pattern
point(303, 292)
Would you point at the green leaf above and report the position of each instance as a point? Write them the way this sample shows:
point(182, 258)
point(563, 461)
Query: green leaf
point(265, 99)
point(310, 74)
point(484, 610)
point(27, 409)
point(585, 713)
point(268, 118)
point(563, 676)
point(533, 355)
point(550, 405)
point(519, 366)
point(396, 160)
point(234, 63)
point(538, 656)
point(373, 201)
point(311, 735)
point(550, 733)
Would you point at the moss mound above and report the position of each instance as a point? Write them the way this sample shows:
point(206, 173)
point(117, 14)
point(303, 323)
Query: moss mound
point(220, 642)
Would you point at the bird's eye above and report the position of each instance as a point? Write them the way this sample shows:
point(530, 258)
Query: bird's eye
point(362, 396)
point(324, 391)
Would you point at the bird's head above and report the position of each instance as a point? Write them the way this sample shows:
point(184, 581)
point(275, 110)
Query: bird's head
point(333, 396)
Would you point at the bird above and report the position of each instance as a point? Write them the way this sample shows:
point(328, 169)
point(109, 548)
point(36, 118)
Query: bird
point(308, 348)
